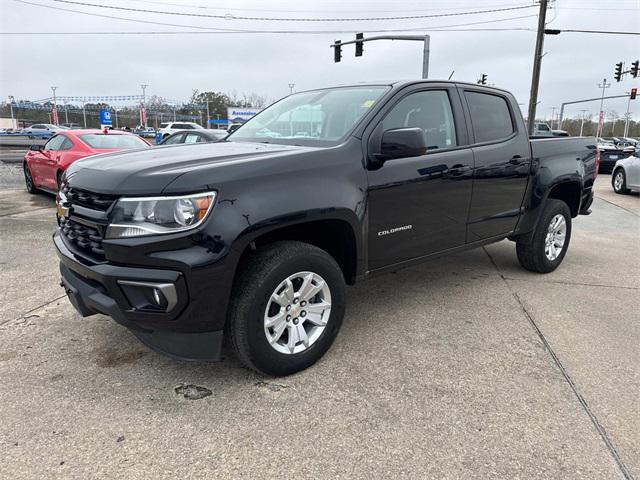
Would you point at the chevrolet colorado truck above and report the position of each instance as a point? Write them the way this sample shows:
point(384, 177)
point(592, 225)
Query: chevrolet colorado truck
point(252, 240)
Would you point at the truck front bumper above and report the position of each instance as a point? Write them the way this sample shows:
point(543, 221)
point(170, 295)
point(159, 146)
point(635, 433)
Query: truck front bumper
point(174, 325)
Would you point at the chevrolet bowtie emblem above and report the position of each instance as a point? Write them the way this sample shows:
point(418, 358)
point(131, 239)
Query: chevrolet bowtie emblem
point(62, 210)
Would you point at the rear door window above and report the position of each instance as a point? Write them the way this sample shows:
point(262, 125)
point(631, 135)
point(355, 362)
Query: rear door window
point(490, 116)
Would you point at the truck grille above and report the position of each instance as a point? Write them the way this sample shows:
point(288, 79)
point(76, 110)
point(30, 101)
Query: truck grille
point(95, 201)
point(82, 238)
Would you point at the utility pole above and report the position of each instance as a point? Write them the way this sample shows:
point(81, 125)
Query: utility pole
point(537, 62)
point(115, 110)
point(604, 85)
point(144, 102)
point(291, 85)
point(66, 113)
point(584, 112)
point(208, 116)
point(11, 100)
point(553, 115)
point(84, 113)
point(55, 106)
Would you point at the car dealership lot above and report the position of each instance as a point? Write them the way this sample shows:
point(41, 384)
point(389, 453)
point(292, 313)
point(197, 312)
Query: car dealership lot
point(464, 367)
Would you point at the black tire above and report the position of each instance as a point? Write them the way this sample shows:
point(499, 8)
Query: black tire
point(28, 180)
point(623, 190)
point(59, 179)
point(259, 276)
point(531, 255)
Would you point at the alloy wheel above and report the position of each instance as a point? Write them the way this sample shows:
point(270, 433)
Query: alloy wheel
point(618, 181)
point(555, 238)
point(297, 312)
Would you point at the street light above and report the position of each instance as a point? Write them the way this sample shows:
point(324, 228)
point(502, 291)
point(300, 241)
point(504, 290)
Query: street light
point(11, 100)
point(55, 106)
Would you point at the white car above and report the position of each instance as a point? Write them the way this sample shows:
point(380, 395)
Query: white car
point(626, 174)
point(168, 128)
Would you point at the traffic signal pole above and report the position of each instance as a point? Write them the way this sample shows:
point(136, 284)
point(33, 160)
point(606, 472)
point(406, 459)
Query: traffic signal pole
point(425, 39)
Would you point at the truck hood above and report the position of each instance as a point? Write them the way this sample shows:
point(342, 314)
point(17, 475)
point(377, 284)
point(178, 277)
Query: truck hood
point(149, 171)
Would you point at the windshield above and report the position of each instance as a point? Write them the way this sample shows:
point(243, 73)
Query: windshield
point(101, 140)
point(316, 118)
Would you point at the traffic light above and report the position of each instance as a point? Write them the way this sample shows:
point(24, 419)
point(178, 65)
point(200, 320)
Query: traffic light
point(618, 74)
point(337, 51)
point(634, 92)
point(483, 79)
point(635, 66)
point(359, 44)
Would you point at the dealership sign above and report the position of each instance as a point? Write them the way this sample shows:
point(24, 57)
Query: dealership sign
point(105, 117)
point(237, 114)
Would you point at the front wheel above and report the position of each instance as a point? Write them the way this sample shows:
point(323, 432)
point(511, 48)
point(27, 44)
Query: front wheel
point(619, 182)
point(28, 180)
point(287, 308)
point(548, 246)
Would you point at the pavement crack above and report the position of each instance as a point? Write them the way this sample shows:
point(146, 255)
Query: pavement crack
point(577, 284)
point(25, 314)
point(616, 205)
point(583, 402)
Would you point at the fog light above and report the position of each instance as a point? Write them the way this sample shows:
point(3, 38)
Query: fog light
point(147, 296)
point(157, 297)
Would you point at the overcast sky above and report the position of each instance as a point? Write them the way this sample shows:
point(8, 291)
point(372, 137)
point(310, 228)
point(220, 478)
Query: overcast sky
point(174, 65)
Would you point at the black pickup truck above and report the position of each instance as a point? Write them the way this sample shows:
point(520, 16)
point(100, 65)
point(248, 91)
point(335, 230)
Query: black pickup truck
point(253, 239)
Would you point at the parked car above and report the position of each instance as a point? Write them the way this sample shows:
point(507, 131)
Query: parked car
point(541, 129)
point(254, 238)
point(41, 130)
point(559, 133)
point(145, 132)
point(626, 174)
point(168, 128)
point(609, 154)
point(71, 126)
point(44, 164)
point(196, 136)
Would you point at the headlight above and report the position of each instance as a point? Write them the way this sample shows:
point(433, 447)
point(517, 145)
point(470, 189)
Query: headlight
point(135, 217)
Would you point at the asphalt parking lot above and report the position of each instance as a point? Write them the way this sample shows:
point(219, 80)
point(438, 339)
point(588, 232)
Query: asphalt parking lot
point(464, 367)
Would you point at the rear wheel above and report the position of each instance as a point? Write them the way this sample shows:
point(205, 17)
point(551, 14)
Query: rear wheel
point(548, 246)
point(619, 182)
point(28, 180)
point(287, 308)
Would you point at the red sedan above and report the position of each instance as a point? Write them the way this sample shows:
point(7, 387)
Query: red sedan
point(44, 165)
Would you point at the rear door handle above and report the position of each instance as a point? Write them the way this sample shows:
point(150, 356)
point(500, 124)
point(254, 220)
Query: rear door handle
point(457, 170)
point(516, 160)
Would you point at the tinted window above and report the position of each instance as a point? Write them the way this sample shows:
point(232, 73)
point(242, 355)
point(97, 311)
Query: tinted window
point(101, 140)
point(164, 125)
point(38, 127)
point(55, 143)
point(430, 111)
point(490, 116)
point(173, 139)
point(67, 144)
point(182, 126)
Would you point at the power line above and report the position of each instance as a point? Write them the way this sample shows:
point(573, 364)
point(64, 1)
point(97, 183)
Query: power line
point(204, 32)
point(230, 30)
point(229, 16)
point(225, 8)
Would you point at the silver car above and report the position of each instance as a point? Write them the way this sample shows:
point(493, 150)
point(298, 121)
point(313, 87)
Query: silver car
point(626, 174)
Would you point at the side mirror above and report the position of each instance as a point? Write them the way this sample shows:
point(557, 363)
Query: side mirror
point(36, 148)
point(402, 143)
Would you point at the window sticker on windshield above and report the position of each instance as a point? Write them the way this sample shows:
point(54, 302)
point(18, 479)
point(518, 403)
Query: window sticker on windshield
point(367, 103)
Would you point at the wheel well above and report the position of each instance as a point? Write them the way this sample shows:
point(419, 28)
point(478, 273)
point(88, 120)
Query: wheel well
point(335, 237)
point(569, 193)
